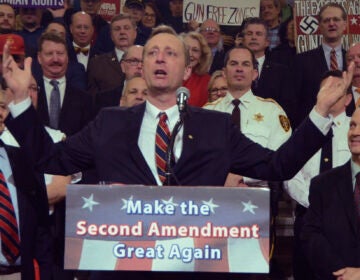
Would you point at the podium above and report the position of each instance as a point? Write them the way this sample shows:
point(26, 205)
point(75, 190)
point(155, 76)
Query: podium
point(152, 228)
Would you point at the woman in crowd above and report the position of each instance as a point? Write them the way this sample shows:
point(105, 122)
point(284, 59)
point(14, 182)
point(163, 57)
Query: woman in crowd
point(200, 61)
point(217, 86)
point(150, 19)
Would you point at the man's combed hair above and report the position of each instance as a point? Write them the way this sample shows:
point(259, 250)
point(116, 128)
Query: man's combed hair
point(253, 58)
point(122, 17)
point(333, 5)
point(166, 29)
point(50, 36)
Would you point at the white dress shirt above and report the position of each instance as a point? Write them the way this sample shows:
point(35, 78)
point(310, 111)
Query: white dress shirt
point(82, 58)
point(49, 87)
point(147, 135)
point(339, 57)
point(298, 187)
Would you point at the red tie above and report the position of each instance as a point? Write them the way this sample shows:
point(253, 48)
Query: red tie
point(333, 61)
point(162, 141)
point(10, 242)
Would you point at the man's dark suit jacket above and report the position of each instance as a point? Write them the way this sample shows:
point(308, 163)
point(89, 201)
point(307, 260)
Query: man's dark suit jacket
point(76, 110)
point(109, 98)
point(212, 147)
point(33, 214)
point(331, 235)
point(310, 66)
point(276, 82)
point(351, 107)
point(104, 73)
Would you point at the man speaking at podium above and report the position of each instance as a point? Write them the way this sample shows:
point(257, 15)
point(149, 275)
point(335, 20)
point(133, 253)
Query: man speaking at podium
point(128, 145)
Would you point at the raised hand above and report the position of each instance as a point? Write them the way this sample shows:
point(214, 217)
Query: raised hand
point(17, 79)
point(332, 90)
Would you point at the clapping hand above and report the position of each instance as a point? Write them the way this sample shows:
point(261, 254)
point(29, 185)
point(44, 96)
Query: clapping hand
point(332, 90)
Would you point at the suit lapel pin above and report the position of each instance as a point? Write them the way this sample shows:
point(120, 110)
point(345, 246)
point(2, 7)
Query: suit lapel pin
point(190, 137)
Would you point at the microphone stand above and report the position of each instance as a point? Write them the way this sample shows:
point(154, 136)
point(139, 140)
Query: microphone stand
point(169, 173)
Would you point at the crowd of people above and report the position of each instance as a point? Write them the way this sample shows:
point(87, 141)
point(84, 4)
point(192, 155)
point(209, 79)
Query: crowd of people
point(283, 118)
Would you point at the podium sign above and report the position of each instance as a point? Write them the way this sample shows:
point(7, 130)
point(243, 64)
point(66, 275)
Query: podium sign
point(111, 227)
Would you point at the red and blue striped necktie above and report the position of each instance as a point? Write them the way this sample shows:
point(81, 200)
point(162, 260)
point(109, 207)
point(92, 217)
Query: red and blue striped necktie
point(10, 241)
point(162, 141)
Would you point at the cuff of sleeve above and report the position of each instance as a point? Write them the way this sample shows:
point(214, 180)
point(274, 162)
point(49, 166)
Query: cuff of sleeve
point(323, 124)
point(19, 108)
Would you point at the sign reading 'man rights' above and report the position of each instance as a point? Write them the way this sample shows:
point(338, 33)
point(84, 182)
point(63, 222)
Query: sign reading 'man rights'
point(35, 3)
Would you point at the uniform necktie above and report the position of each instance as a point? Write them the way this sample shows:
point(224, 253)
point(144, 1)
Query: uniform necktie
point(10, 242)
point(236, 112)
point(54, 111)
point(357, 195)
point(162, 141)
point(84, 51)
point(326, 156)
point(333, 61)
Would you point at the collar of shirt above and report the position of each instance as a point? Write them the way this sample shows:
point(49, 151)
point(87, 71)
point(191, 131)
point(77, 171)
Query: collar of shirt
point(260, 61)
point(49, 87)
point(119, 54)
point(8, 138)
point(355, 169)
point(172, 114)
point(245, 99)
point(338, 49)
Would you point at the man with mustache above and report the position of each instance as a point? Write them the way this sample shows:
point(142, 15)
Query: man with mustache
point(123, 34)
point(63, 107)
point(7, 19)
point(274, 80)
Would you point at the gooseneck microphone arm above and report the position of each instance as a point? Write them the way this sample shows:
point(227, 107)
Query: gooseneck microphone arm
point(182, 96)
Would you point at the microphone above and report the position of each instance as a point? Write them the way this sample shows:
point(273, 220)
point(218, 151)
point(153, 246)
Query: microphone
point(182, 96)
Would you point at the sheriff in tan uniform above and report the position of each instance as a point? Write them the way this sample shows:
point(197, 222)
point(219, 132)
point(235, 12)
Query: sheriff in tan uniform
point(262, 120)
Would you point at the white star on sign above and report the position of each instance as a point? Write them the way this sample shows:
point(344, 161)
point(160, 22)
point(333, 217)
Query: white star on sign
point(125, 201)
point(170, 201)
point(89, 202)
point(211, 205)
point(353, 21)
point(249, 207)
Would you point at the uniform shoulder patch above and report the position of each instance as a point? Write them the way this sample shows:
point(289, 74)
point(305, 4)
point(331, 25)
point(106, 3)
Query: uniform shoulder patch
point(213, 102)
point(284, 122)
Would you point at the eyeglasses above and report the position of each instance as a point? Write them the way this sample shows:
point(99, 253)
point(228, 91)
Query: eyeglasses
point(149, 15)
point(133, 61)
point(218, 90)
point(210, 29)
